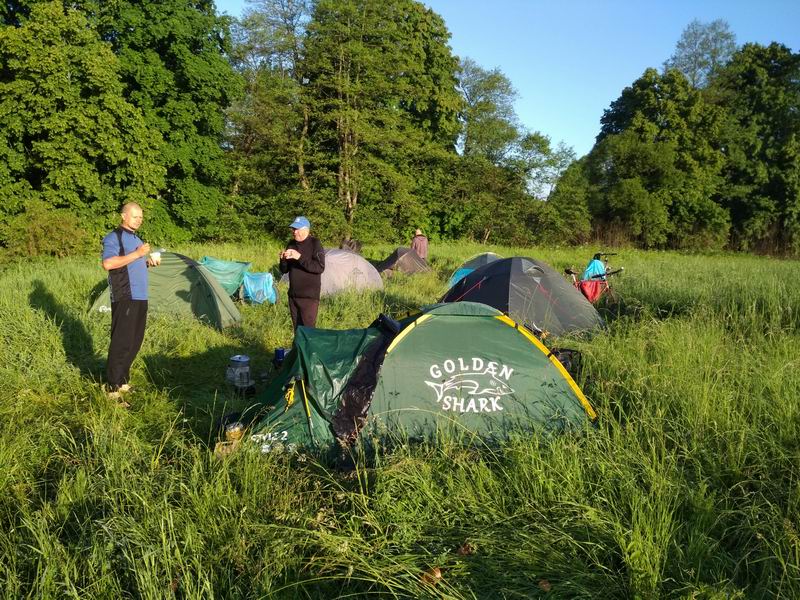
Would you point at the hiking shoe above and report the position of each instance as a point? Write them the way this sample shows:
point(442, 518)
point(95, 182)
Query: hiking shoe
point(125, 388)
point(116, 396)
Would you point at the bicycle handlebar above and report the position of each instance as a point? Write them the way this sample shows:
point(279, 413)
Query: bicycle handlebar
point(607, 273)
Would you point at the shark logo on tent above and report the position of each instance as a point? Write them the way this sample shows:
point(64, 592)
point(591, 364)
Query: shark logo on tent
point(468, 383)
point(473, 385)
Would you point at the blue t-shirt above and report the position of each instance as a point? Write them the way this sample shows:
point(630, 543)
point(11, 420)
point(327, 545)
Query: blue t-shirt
point(128, 282)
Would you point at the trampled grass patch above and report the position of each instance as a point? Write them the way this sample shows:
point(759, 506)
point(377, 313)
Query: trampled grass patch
point(687, 487)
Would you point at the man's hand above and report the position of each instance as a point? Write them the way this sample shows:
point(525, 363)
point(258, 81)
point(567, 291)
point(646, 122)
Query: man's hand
point(291, 254)
point(117, 262)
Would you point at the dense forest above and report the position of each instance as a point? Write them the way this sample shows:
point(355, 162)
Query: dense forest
point(358, 113)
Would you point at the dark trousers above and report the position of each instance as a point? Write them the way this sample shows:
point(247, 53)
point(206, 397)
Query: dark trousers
point(304, 311)
point(128, 319)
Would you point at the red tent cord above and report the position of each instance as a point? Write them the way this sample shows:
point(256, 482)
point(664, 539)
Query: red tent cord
point(470, 289)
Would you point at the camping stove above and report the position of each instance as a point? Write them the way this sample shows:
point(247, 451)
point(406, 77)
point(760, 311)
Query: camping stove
point(238, 374)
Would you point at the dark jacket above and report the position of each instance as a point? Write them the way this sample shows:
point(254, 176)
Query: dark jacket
point(305, 273)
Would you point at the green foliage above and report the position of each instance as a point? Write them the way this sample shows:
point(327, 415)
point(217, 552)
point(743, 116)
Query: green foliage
point(357, 113)
point(43, 231)
point(378, 107)
point(137, 114)
point(268, 132)
point(565, 218)
point(68, 137)
point(174, 69)
point(687, 487)
point(357, 122)
point(490, 123)
point(685, 168)
point(353, 111)
point(347, 119)
point(656, 166)
point(760, 89)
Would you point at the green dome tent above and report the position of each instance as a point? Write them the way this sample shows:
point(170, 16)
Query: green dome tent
point(461, 367)
point(181, 286)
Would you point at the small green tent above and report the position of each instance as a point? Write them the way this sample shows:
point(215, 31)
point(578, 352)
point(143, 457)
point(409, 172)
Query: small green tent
point(462, 367)
point(181, 286)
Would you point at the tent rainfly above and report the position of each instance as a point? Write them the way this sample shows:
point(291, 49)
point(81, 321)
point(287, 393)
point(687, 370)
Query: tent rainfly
point(181, 286)
point(531, 293)
point(404, 260)
point(459, 369)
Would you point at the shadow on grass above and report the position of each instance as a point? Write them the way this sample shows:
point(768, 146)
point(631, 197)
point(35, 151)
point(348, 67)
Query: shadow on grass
point(77, 342)
point(198, 384)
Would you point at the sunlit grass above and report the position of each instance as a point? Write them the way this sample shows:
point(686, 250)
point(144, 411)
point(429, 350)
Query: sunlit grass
point(688, 487)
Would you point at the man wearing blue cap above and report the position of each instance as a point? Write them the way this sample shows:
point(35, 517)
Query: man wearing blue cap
point(304, 261)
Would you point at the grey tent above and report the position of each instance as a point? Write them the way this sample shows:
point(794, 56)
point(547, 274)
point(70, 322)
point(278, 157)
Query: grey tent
point(531, 293)
point(476, 262)
point(404, 260)
point(345, 270)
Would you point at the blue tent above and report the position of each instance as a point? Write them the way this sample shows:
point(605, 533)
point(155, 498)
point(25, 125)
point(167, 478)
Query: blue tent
point(233, 275)
point(228, 273)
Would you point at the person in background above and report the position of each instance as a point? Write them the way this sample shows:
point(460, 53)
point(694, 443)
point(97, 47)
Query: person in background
point(419, 244)
point(124, 257)
point(304, 261)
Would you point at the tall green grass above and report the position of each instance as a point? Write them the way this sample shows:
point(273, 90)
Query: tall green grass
point(687, 488)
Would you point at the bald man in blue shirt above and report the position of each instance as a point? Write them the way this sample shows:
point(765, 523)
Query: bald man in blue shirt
point(124, 257)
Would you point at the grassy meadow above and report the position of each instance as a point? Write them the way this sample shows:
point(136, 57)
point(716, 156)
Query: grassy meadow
point(689, 487)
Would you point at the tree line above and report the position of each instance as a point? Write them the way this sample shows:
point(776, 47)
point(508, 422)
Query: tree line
point(357, 113)
point(705, 154)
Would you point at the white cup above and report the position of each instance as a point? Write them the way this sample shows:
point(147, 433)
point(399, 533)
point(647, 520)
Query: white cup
point(155, 257)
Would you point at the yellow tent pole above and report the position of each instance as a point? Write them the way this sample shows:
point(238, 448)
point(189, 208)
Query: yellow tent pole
point(308, 410)
point(564, 373)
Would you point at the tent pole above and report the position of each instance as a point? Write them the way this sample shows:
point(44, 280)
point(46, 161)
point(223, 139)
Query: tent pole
point(308, 411)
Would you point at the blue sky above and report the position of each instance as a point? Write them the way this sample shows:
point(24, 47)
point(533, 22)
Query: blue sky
point(569, 59)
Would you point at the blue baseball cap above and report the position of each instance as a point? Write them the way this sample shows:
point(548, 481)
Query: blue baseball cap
point(300, 223)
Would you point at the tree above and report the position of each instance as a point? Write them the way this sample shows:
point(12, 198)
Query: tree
point(68, 137)
point(267, 134)
point(490, 126)
point(565, 218)
point(173, 67)
point(490, 129)
point(702, 50)
point(269, 53)
point(760, 91)
point(381, 90)
point(656, 166)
